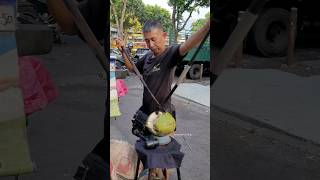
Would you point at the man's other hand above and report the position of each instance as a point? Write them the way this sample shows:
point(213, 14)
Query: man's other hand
point(119, 43)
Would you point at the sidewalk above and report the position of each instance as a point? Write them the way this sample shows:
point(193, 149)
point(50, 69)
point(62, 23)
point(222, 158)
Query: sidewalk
point(282, 100)
point(190, 91)
point(194, 92)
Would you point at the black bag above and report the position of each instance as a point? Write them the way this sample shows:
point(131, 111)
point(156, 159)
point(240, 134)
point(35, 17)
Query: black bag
point(94, 168)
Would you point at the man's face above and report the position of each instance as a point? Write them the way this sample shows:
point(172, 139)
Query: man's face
point(155, 40)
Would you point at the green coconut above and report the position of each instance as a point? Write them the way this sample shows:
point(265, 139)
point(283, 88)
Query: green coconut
point(165, 124)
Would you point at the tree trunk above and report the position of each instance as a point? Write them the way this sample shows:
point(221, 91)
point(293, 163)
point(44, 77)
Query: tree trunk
point(176, 36)
point(115, 14)
point(174, 23)
point(124, 6)
point(119, 21)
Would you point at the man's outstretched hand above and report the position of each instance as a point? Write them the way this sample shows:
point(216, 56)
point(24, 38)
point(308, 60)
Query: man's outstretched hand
point(120, 43)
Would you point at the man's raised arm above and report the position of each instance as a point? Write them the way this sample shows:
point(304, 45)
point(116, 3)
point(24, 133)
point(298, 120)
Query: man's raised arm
point(194, 39)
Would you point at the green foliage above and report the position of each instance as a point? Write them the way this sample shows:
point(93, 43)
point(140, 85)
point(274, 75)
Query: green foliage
point(137, 13)
point(134, 8)
point(157, 13)
point(200, 22)
point(133, 23)
point(184, 6)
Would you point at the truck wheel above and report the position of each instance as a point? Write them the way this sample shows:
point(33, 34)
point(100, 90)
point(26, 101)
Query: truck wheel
point(194, 71)
point(270, 32)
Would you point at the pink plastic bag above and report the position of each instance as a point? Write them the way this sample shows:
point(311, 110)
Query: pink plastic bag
point(122, 89)
point(37, 87)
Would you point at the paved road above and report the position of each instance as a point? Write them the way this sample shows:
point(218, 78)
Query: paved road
point(192, 119)
point(242, 151)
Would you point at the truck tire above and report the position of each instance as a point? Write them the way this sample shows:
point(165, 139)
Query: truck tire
point(194, 72)
point(270, 32)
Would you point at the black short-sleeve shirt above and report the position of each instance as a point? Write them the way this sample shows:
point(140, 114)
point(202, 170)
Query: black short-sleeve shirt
point(158, 73)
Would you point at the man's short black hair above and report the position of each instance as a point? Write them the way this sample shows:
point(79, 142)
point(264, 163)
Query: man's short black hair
point(152, 24)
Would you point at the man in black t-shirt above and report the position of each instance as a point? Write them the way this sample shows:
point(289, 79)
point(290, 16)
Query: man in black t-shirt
point(157, 68)
point(158, 65)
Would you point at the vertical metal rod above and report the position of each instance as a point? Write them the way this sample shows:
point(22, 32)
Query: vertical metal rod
point(292, 35)
point(178, 173)
point(239, 53)
point(137, 169)
point(201, 71)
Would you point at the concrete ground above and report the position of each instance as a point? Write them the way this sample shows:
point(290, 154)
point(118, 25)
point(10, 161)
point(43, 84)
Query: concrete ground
point(241, 150)
point(264, 119)
point(193, 129)
point(280, 99)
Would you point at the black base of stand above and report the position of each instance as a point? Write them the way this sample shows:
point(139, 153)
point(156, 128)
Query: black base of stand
point(163, 156)
point(137, 171)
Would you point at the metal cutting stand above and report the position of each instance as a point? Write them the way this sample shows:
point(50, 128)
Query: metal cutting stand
point(163, 156)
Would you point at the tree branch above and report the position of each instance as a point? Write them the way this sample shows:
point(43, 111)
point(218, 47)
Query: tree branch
point(187, 5)
point(185, 22)
point(124, 6)
point(114, 13)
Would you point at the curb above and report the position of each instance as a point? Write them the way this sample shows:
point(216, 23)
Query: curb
point(188, 99)
point(272, 131)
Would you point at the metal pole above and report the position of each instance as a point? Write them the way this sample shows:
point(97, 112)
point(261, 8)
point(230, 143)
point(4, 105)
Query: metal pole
point(187, 67)
point(137, 170)
point(292, 35)
point(201, 71)
point(178, 174)
point(239, 53)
